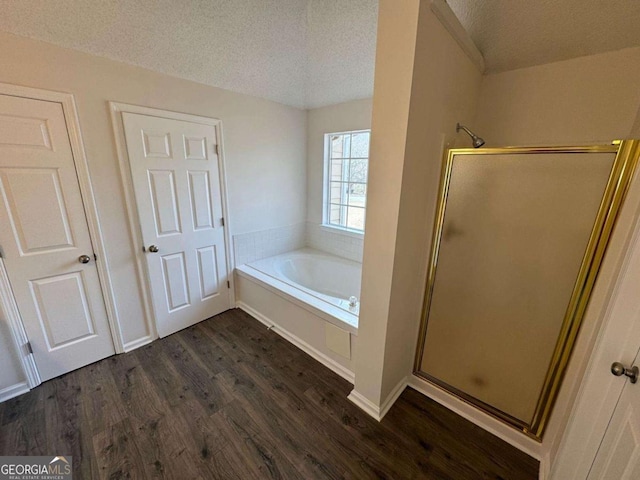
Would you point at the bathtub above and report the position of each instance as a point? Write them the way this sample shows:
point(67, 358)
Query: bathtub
point(322, 281)
point(309, 297)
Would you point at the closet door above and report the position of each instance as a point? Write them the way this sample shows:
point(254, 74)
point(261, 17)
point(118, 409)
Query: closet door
point(618, 457)
point(176, 180)
point(45, 239)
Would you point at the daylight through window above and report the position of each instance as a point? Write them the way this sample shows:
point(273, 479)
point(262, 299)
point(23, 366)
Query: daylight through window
point(347, 156)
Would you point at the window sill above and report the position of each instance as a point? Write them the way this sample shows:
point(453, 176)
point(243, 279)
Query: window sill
point(342, 231)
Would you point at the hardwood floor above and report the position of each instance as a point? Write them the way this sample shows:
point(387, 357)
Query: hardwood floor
point(228, 399)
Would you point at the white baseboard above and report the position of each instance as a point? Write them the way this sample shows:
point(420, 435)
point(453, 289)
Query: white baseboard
point(375, 411)
point(365, 404)
point(510, 435)
point(545, 467)
point(328, 362)
point(132, 345)
point(392, 397)
point(13, 391)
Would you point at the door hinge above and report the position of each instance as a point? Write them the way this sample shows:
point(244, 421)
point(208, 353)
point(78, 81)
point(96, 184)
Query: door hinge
point(1, 252)
point(222, 221)
point(28, 347)
point(95, 257)
point(228, 284)
point(216, 149)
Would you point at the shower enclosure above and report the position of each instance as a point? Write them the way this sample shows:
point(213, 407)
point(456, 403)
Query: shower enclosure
point(518, 240)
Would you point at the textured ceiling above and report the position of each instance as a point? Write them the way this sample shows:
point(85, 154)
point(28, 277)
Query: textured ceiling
point(308, 53)
point(520, 33)
point(305, 53)
point(341, 50)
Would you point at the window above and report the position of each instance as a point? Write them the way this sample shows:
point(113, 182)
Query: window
point(347, 162)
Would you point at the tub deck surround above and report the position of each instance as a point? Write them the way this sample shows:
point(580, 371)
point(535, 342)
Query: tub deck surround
point(252, 246)
point(303, 296)
point(335, 241)
point(316, 281)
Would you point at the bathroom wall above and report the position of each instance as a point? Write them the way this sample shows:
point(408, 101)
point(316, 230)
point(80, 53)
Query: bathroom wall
point(395, 49)
point(264, 144)
point(354, 115)
point(254, 245)
point(585, 100)
point(440, 97)
point(427, 84)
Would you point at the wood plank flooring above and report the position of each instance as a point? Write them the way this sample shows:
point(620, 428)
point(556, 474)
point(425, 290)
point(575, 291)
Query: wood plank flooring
point(227, 399)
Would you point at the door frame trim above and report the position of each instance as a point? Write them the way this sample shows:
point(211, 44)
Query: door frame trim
point(595, 402)
point(117, 109)
point(9, 307)
point(72, 124)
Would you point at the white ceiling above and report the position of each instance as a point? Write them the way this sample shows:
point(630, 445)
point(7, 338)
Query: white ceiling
point(305, 53)
point(308, 53)
point(520, 33)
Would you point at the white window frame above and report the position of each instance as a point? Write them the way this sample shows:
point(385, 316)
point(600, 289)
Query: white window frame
point(326, 216)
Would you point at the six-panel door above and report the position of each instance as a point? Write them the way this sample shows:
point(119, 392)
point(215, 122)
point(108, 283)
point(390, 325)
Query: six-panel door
point(176, 180)
point(43, 232)
point(618, 457)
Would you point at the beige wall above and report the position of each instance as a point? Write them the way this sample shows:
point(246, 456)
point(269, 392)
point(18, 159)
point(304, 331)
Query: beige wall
point(355, 115)
point(426, 86)
point(584, 100)
point(395, 49)
point(444, 91)
point(265, 146)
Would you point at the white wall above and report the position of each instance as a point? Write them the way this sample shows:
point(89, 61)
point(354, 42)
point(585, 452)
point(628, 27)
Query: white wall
point(586, 100)
point(583, 100)
point(425, 83)
point(355, 115)
point(265, 146)
point(444, 91)
point(415, 109)
point(395, 49)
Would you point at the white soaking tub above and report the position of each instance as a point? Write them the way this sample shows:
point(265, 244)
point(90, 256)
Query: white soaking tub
point(298, 293)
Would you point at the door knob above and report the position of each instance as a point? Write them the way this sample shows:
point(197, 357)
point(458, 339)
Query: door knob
point(619, 369)
point(84, 258)
point(153, 249)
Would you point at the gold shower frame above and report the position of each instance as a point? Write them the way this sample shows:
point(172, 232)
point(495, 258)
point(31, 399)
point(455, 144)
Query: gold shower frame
point(626, 159)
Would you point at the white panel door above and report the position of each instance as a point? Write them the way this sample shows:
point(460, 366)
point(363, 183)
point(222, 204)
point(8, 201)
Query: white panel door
point(176, 180)
point(618, 457)
point(601, 391)
point(43, 233)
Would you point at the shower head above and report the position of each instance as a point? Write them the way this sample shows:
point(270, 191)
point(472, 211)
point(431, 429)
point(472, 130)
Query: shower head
point(477, 141)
